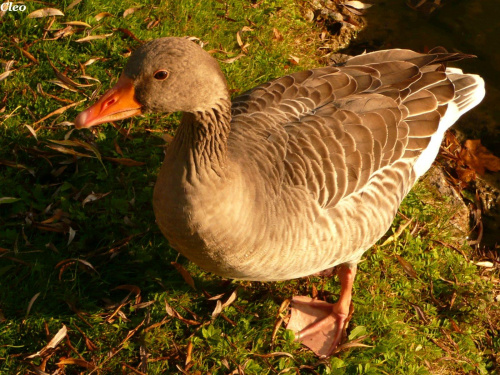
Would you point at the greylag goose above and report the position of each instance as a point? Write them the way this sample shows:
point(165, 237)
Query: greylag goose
point(297, 175)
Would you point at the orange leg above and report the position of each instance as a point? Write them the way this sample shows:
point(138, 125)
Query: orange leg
point(319, 324)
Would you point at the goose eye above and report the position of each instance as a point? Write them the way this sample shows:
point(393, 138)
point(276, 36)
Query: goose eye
point(161, 75)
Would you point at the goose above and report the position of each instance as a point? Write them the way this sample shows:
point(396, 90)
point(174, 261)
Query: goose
point(298, 175)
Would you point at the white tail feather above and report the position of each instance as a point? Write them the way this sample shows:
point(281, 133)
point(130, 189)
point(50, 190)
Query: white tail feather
point(469, 93)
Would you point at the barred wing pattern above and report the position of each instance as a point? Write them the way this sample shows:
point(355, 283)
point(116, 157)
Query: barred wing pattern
point(335, 127)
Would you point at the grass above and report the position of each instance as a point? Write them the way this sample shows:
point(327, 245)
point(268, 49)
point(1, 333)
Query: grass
point(79, 247)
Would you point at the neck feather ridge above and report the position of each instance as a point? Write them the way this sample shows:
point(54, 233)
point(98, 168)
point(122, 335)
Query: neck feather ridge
point(202, 138)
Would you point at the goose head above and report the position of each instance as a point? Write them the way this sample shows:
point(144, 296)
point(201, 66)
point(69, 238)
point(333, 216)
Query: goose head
point(164, 75)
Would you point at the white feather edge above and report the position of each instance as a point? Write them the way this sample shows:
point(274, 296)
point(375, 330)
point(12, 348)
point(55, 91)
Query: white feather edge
point(451, 116)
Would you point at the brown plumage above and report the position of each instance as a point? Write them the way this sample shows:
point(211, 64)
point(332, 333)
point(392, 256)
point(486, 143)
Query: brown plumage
point(297, 175)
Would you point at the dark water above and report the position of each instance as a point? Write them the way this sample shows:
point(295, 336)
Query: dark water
point(469, 26)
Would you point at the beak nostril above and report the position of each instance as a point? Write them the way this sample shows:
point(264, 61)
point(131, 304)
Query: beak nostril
point(108, 103)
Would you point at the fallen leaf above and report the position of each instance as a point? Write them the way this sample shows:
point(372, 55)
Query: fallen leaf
point(189, 351)
point(5, 200)
point(73, 4)
point(76, 361)
point(129, 11)
point(217, 310)
point(407, 267)
point(63, 78)
point(478, 157)
point(32, 131)
point(78, 143)
point(68, 151)
point(18, 166)
point(357, 4)
point(94, 197)
point(30, 304)
point(46, 12)
point(6, 74)
point(173, 313)
point(58, 111)
point(230, 299)
point(185, 274)
point(64, 264)
point(238, 39)
point(277, 35)
point(274, 354)
point(93, 37)
point(125, 161)
point(67, 31)
point(129, 34)
point(72, 234)
point(102, 15)
point(77, 23)
point(60, 335)
point(233, 59)
point(58, 213)
point(91, 61)
point(294, 60)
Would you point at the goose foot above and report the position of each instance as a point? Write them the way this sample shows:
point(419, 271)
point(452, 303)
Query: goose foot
point(319, 325)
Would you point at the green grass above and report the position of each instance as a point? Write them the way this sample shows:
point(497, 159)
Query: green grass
point(410, 327)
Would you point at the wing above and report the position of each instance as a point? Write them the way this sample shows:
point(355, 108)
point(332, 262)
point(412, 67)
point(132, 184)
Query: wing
point(330, 130)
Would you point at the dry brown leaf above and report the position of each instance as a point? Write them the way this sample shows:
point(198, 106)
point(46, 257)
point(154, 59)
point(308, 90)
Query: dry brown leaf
point(102, 15)
point(233, 59)
point(58, 111)
point(357, 4)
point(173, 313)
point(67, 31)
point(215, 298)
point(93, 37)
point(94, 197)
point(478, 157)
point(129, 11)
point(46, 12)
point(64, 86)
point(230, 299)
point(58, 213)
point(189, 351)
point(65, 79)
point(60, 335)
point(118, 149)
point(76, 361)
point(129, 34)
point(68, 151)
point(217, 310)
point(276, 328)
point(275, 354)
point(6, 74)
point(246, 28)
point(125, 161)
point(64, 264)
point(294, 60)
point(238, 39)
point(407, 267)
point(91, 61)
point(185, 274)
point(28, 55)
point(18, 166)
point(73, 4)
point(277, 35)
point(77, 23)
point(30, 304)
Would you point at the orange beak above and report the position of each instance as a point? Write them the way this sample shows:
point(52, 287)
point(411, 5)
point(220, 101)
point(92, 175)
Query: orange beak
point(116, 104)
